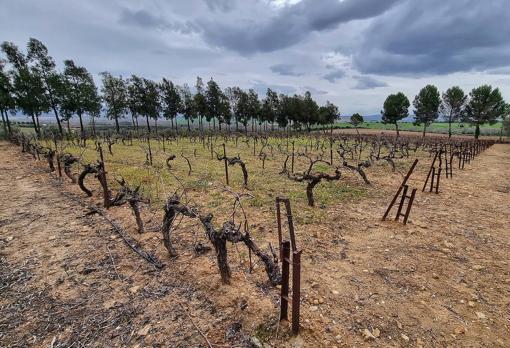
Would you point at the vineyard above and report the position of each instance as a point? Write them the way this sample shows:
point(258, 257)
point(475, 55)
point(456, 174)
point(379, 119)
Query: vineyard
point(395, 240)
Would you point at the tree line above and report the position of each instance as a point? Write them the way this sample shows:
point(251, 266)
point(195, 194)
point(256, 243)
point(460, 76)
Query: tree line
point(483, 105)
point(34, 86)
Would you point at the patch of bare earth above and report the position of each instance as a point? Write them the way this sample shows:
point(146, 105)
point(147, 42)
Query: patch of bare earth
point(443, 280)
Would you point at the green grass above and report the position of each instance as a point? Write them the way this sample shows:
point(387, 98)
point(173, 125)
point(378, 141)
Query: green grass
point(436, 127)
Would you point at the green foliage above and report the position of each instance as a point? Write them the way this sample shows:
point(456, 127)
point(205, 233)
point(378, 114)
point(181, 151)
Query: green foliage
point(426, 105)
point(170, 100)
point(396, 107)
point(485, 106)
point(115, 96)
point(356, 119)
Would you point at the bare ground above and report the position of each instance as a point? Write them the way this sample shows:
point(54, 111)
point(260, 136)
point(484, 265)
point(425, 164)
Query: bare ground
point(443, 280)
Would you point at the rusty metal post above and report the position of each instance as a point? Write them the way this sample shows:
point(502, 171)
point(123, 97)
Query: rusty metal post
point(409, 206)
point(432, 180)
point(400, 189)
point(279, 225)
point(226, 164)
point(430, 172)
point(292, 162)
point(404, 194)
point(296, 290)
point(438, 177)
point(284, 294)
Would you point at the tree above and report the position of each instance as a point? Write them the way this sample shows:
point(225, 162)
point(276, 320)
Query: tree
point(135, 98)
point(356, 120)
point(150, 103)
point(80, 92)
point(7, 101)
point(212, 100)
point(200, 102)
point(45, 67)
point(396, 107)
point(253, 107)
point(328, 114)
point(28, 88)
point(310, 111)
point(505, 122)
point(284, 111)
point(426, 105)
point(115, 96)
point(485, 106)
point(188, 104)
point(171, 103)
point(240, 107)
point(270, 107)
point(452, 106)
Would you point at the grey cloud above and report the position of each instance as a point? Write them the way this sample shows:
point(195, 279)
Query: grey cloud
point(220, 5)
point(145, 19)
point(290, 25)
point(314, 91)
point(285, 70)
point(437, 37)
point(261, 88)
point(367, 82)
point(334, 76)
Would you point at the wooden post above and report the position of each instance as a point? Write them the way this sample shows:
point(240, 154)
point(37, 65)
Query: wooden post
point(296, 290)
point(284, 294)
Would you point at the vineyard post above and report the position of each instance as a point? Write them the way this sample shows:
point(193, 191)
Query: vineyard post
point(296, 290)
point(284, 294)
point(400, 189)
point(225, 161)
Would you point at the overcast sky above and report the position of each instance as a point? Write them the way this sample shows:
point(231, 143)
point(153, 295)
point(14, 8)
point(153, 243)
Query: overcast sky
point(351, 52)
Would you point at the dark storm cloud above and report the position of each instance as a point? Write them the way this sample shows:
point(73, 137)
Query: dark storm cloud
point(333, 76)
point(261, 88)
point(220, 5)
point(290, 25)
point(437, 37)
point(367, 82)
point(144, 19)
point(285, 70)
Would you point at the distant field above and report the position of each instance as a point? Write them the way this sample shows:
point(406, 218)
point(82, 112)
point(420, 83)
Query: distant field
point(437, 127)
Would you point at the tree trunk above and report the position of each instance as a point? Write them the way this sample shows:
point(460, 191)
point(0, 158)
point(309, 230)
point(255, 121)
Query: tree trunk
point(117, 128)
point(35, 124)
point(396, 127)
point(94, 127)
point(189, 128)
point(58, 120)
point(8, 122)
point(3, 122)
point(450, 127)
point(477, 131)
point(81, 123)
point(148, 125)
point(424, 129)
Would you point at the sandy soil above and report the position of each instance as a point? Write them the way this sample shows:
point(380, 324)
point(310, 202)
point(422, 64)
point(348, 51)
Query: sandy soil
point(443, 280)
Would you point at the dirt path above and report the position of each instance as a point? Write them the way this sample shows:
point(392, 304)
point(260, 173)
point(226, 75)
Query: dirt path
point(67, 280)
point(443, 280)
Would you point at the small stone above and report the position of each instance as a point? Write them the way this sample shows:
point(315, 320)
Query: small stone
point(435, 276)
point(338, 338)
point(321, 300)
point(134, 289)
point(368, 335)
point(376, 332)
point(52, 237)
point(334, 292)
point(8, 239)
point(255, 342)
point(471, 303)
point(478, 267)
point(404, 337)
point(314, 308)
point(316, 302)
point(109, 304)
point(399, 325)
point(144, 331)
point(480, 315)
point(460, 330)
